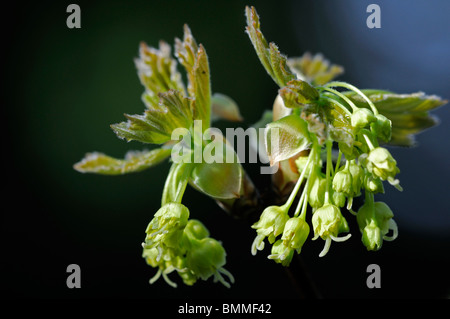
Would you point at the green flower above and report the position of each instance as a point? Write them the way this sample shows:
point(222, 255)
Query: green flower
point(316, 188)
point(382, 127)
point(196, 229)
point(375, 221)
point(357, 176)
point(206, 258)
point(362, 117)
point(373, 184)
point(371, 236)
point(166, 262)
point(381, 164)
point(166, 227)
point(328, 223)
point(295, 233)
point(342, 181)
point(281, 254)
point(270, 224)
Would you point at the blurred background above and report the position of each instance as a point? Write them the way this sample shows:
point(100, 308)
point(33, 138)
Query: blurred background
point(64, 87)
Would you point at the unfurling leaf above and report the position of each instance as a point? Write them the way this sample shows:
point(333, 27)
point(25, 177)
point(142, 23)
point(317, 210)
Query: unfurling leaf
point(194, 59)
point(297, 93)
point(409, 113)
point(155, 126)
point(314, 69)
point(286, 137)
point(269, 55)
point(157, 71)
point(134, 161)
point(223, 107)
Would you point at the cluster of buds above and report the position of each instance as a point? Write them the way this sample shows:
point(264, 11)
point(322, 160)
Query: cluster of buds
point(175, 243)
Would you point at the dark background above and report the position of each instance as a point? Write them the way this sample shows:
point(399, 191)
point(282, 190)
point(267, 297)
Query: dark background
point(64, 87)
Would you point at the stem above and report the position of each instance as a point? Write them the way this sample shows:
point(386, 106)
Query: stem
point(293, 194)
point(369, 142)
point(338, 161)
point(305, 203)
point(329, 144)
point(356, 90)
point(342, 96)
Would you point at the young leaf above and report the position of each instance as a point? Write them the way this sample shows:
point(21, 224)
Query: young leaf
point(409, 113)
point(155, 126)
point(194, 59)
point(286, 137)
point(297, 93)
point(134, 161)
point(314, 69)
point(269, 55)
point(223, 107)
point(157, 70)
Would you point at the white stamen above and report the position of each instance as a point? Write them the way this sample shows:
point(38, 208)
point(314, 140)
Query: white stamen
point(228, 274)
point(169, 282)
point(258, 244)
point(156, 277)
point(341, 239)
point(393, 226)
point(326, 248)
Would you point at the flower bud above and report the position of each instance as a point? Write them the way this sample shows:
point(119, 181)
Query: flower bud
point(196, 229)
point(342, 182)
point(383, 214)
point(357, 177)
point(382, 127)
point(373, 184)
point(295, 233)
point(374, 221)
point(371, 237)
point(316, 190)
point(362, 117)
point(338, 199)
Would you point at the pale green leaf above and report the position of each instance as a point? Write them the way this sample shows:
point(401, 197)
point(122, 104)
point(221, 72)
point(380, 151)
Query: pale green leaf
point(134, 161)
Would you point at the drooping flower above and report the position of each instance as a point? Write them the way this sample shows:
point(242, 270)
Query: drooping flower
point(328, 223)
point(270, 224)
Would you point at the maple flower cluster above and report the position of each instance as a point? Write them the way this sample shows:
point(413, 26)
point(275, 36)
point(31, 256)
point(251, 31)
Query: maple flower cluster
point(326, 138)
